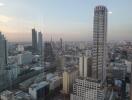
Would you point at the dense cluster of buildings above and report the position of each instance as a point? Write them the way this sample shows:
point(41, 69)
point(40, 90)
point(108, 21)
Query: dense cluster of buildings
point(64, 70)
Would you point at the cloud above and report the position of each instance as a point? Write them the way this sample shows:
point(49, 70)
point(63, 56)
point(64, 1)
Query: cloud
point(5, 19)
point(1, 4)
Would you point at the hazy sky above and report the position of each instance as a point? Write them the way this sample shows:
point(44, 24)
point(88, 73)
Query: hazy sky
point(69, 19)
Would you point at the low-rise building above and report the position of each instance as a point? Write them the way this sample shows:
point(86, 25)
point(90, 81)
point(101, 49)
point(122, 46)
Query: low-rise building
point(16, 95)
point(39, 90)
point(20, 95)
point(54, 82)
point(13, 71)
point(20, 48)
point(24, 58)
point(6, 95)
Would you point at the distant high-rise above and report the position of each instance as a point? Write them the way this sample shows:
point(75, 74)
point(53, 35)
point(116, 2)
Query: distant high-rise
point(3, 50)
point(131, 83)
point(34, 40)
point(40, 42)
point(61, 43)
point(99, 43)
point(40, 47)
point(48, 52)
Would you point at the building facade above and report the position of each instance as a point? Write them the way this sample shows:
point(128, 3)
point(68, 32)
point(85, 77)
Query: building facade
point(99, 43)
point(24, 58)
point(49, 55)
point(88, 89)
point(34, 41)
point(39, 91)
point(85, 66)
point(3, 62)
point(69, 76)
point(3, 51)
point(40, 42)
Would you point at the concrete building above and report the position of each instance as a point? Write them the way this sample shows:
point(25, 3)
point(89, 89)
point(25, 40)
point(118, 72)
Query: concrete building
point(88, 53)
point(99, 43)
point(131, 84)
point(24, 58)
point(128, 64)
point(119, 71)
point(61, 45)
point(12, 59)
point(94, 88)
point(85, 66)
point(20, 95)
point(88, 89)
point(39, 90)
point(40, 42)
point(60, 62)
point(3, 61)
point(13, 71)
point(16, 95)
point(3, 51)
point(34, 41)
point(7, 95)
point(69, 76)
point(20, 48)
point(27, 83)
point(54, 82)
point(48, 52)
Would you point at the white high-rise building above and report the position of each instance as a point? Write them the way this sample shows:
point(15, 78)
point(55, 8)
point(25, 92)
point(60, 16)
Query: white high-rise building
point(69, 76)
point(88, 89)
point(94, 88)
point(99, 43)
point(85, 66)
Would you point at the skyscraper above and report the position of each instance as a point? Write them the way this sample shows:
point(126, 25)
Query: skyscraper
point(34, 40)
point(93, 88)
point(131, 83)
point(40, 42)
point(3, 61)
point(99, 43)
point(3, 50)
point(40, 47)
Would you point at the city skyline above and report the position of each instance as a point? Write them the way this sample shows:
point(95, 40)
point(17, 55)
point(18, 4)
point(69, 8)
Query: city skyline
point(62, 18)
point(47, 53)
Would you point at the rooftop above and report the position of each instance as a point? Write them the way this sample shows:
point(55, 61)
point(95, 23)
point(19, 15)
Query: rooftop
point(39, 85)
point(90, 79)
point(6, 93)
